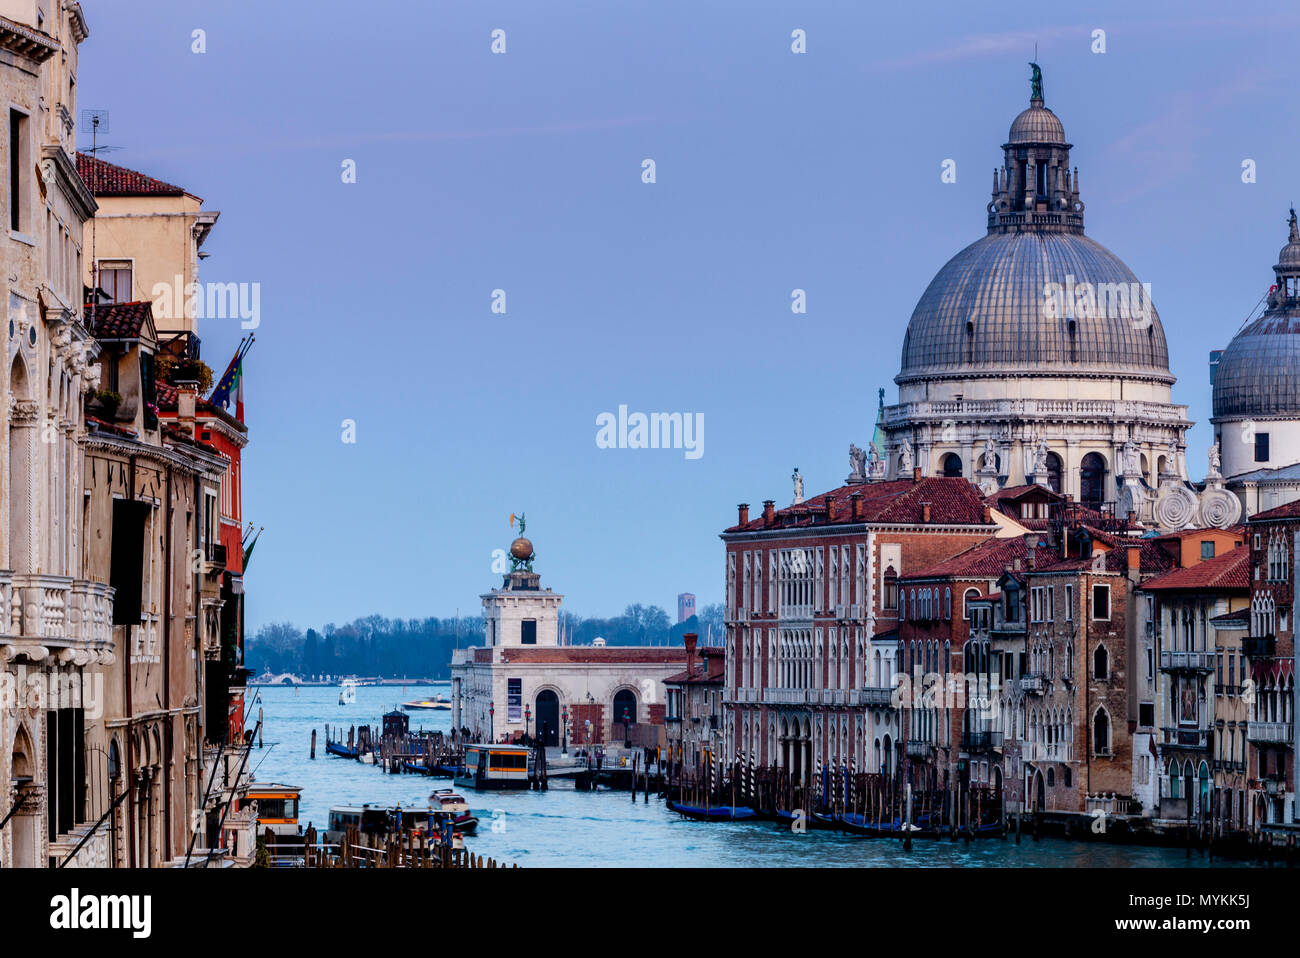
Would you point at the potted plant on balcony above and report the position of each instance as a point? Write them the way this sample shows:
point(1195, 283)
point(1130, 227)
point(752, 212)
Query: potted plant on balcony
point(104, 403)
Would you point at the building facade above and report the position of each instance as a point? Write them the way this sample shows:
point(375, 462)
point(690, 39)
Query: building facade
point(524, 683)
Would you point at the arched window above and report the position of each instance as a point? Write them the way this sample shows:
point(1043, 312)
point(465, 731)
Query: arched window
point(951, 466)
point(965, 601)
point(1054, 469)
point(891, 588)
point(1092, 479)
point(947, 603)
point(1099, 663)
point(1101, 733)
point(1051, 776)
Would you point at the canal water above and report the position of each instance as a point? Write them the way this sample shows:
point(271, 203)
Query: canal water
point(563, 827)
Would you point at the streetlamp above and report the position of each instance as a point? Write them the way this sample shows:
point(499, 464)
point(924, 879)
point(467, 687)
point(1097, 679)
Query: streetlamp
point(528, 717)
point(564, 726)
point(492, 711)
point(627, 729)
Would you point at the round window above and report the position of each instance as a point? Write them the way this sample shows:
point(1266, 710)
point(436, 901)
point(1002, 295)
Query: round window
point(31, 335)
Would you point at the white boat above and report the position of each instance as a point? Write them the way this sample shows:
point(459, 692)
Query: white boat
point(348, 692)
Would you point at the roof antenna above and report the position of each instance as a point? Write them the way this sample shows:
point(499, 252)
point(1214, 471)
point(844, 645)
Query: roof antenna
point(96, 119)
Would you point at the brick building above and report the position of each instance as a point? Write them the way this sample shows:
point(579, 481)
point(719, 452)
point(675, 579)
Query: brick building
point(813, 610)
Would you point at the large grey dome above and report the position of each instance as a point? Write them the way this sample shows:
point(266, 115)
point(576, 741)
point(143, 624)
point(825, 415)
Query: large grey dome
point(987, 312)
point(1259, 373)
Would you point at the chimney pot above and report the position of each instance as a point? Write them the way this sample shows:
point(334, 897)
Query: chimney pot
point(856, 499)
point(925, 512)
point(690, 638)
point(769, 510)
point(916, 473)
point(742, 514)
point(988, 515)
point(1134, 558)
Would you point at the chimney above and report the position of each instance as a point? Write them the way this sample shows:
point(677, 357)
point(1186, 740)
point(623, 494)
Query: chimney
point(1031, 540)
point(856, 499)
point(925, 512)
point(1134, 559)
point(690, 638)
point(769, 510)
point(743, 514)
point(1016, 565)
point(186, 395)
point(988, 515)
point(916, 473)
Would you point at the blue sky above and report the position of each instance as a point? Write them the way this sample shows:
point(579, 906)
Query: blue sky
point(522, 172)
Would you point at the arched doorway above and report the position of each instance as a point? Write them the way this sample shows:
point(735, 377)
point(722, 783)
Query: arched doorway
point(1040, 792)
point(1092, 479)
point(951, 466)
point(624, 708)
point(25, 822)
point(1054, 470)
point(547, 708)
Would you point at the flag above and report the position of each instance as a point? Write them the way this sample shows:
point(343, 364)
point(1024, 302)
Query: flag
point(232, 379)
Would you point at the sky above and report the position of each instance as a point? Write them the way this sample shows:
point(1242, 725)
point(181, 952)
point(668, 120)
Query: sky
point(523, 171)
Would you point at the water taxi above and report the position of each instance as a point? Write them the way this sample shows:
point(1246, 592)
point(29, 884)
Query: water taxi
point(496, 766)
point(455, 805)
point(438, 702)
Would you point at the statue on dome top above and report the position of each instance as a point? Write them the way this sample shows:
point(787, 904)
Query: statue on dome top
point(1036, 83)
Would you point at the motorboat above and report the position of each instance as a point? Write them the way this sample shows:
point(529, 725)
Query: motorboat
point(348, 692)
point(454, 803)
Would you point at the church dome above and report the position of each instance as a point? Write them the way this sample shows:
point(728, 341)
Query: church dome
point(1037, 124)
point(1035, 296)
point(1259, 373)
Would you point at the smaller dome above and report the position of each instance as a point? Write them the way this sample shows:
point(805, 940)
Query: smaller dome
point(1038, 124)
point(521, 549)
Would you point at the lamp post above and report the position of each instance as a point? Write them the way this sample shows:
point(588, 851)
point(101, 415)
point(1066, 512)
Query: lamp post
point(528, 717)
point(627, 729)
point(564, 726)
point(492, 711)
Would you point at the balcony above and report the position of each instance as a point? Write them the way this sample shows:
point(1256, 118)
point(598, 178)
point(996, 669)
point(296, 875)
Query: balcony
point(214, 558)
point(1259, 646)
point(1033, 684)
point(1042, 752)
point(918, 749)
point(1179, 660)
point(1269, 733)
point(1197, 738)
point(56, 608)
point(980, 741)
point(877, 697)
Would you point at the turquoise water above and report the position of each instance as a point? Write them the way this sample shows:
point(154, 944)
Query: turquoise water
point(564, 827)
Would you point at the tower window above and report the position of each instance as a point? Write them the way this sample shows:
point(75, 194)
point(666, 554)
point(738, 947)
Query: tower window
point(528, 632)
point(1261, 447)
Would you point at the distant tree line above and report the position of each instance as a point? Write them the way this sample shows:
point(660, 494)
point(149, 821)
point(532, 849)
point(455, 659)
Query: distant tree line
point(422, 648)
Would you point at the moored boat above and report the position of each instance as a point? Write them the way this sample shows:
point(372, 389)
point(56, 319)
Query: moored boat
point(438, 703)
point(716, 813)
point(495, 766)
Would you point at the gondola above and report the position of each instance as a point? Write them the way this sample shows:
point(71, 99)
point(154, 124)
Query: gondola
point(342, 751)
point(854, 824)
point(718, 813)
point(790, 818)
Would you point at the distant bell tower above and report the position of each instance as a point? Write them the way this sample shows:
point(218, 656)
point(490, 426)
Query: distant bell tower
point(521, 612)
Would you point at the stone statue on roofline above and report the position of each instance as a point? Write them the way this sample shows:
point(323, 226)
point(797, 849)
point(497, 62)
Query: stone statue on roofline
point(798, 486)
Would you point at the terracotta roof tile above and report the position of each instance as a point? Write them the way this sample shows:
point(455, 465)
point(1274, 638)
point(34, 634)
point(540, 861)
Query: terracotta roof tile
point(1228, 571)
point(1289, 511)
point(119, 320)
point(106, 179)
point(952, 501)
